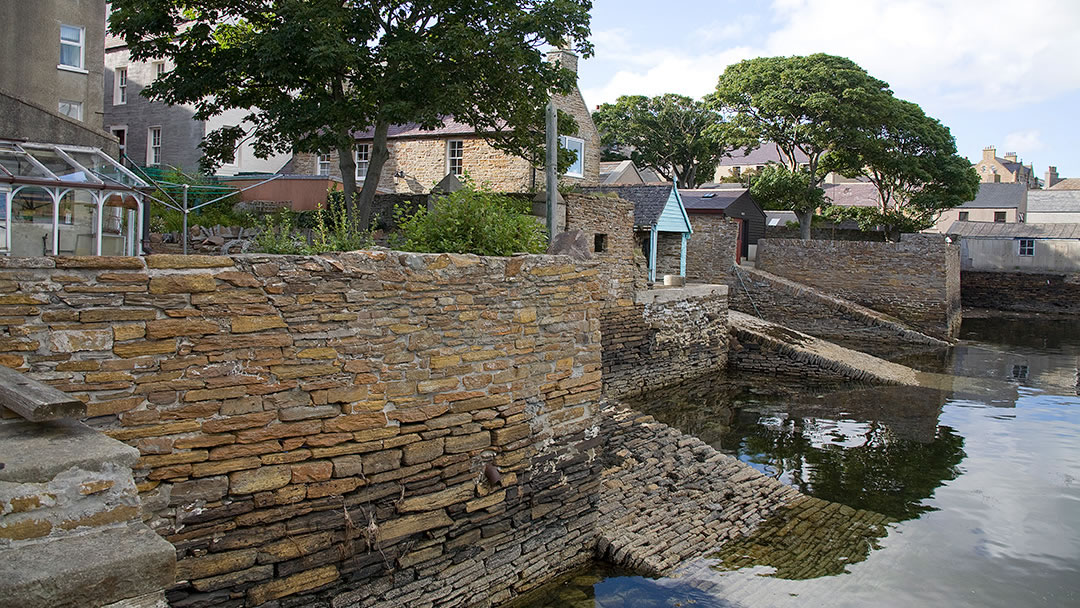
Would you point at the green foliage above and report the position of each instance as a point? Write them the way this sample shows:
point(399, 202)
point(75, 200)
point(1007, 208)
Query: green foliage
point(201, 189)
point(671, 134)
point(780, 189)
point(277, 236)
point(329, 225)
point(473, 220)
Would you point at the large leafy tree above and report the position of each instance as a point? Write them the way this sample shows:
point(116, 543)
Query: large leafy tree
point(812, 104)
point(911, 159)
point(670, 134)
point(780, 188)
point(311, 73)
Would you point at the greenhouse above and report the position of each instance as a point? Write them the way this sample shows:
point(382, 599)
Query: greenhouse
point(67, 200)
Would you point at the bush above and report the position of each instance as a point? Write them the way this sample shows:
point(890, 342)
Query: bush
point(220, 213)
point(472, 220)
point(330, 229)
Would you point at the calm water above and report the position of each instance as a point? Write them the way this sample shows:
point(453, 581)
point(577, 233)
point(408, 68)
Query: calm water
point(982, 490)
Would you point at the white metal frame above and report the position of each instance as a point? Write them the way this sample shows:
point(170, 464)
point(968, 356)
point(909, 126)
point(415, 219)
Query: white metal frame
point(564, 141)
point(450, 144)
point(71, 104)
point(82, 48)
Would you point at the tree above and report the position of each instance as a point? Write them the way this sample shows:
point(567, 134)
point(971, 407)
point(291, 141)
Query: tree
point(911, 159)
point(780, 188)
point(312, 73)
point(670, 134)
point(810, 104)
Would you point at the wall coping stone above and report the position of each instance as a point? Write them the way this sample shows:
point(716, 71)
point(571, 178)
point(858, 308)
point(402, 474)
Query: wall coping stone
point(35, 452)
point(675, 294)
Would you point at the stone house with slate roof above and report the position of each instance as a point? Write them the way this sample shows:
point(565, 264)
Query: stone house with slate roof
point(1054, 207)
point(992, 169)
point(735, 204)
point(996, 202)
point(420, 158)
point(661, 224)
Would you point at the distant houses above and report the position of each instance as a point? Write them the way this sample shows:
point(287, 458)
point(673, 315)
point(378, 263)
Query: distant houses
point(989, 246)
point(996, 202)
point(733, 203)
point(993, 169)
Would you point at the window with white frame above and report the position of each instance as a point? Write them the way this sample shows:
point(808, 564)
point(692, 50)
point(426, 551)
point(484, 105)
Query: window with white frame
point(120, 90)
point(153, 146)
point(577, 169)
point(159, 68)
point(71, 109)
point(1027, 247)
point(363, 159)
point(71, 46)
point(324, 164)
point(455, 157)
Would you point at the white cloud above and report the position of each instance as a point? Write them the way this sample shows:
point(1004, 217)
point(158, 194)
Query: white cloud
point(966, 54)
point(1024, 142)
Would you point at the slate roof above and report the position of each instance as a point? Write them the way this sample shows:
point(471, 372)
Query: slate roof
point(998, 196)
point(852, 194)
point(412, 129)
point(1054, 201)
point(1072, 183)
point(762, 155)
point(711, 199)
point(612, 171)
point(999, 230)
point(649, 200)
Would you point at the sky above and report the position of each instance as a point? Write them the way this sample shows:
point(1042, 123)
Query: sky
point(1002, 73)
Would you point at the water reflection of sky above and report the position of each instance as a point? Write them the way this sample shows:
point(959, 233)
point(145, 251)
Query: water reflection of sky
point(986, 483)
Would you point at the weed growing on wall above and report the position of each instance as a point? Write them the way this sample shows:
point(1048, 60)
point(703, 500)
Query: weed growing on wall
point(472, 220)
point(328, 228)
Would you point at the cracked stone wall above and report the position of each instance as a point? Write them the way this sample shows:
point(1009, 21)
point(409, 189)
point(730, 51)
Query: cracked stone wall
point(360, 429)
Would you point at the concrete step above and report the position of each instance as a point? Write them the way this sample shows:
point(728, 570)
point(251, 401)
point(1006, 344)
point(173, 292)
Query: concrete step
point(94, 569)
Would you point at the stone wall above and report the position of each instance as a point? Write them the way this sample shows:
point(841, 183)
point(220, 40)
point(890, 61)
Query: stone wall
point(710, 253)
point(608, 221)
point(362, 429)
point(1021, 291)
point(668, 254)
point(916, 280)
point(667, 336)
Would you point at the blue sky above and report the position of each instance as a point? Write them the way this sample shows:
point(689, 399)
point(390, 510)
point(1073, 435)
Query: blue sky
point(997, 72)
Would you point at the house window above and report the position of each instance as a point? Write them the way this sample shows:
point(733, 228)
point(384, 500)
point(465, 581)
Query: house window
point(153, 146)
point(71, 109)
point(578, 146)
point(455, 156)
point(1027, 247)
point(324, 164)
point(120, 92)
point(1020, 372)
point(159, 69)
point(963, 216)
point(363, 159)
point(71, 46)
point(120, 133)
point(600, 243)
point(999, 217)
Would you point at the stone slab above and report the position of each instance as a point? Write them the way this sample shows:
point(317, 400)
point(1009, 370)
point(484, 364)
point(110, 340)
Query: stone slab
point(36, 401)
point(35, 452)
point(674, 294)
point(88, 570)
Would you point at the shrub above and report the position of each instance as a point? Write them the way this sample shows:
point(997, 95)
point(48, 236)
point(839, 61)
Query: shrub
point(330, 229)
point(277, 236)
point(472, 220)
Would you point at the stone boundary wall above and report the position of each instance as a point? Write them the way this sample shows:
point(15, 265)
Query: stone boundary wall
point(1021, 291)
point(916, 280)
point(710, 253)
point(354, 429)
point(611, 219)
point(667, 336)
point(811, 311)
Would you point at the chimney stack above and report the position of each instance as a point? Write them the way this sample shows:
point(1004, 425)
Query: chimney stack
point(1051, 177)
point(564, 57)
point(1010, 156)
point(989, 152)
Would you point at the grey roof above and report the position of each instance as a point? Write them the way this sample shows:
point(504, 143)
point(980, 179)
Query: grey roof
point(711, 199)
point(449, 126)
point(764, 154)
point(650, 176)
point(649, 199)
point(1054, 201)
point(619, 172)
point(999, 196)
point(1071, 183)
point(852, 194)
point(1001, 230)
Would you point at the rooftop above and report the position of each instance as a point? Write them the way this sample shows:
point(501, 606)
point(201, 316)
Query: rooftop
point(649, 199)
point(1072, 183)
point(762, 155)
point(1054, 201)
point(998, 196)
point(853, 194)
point(999, 230)
point(711, 199)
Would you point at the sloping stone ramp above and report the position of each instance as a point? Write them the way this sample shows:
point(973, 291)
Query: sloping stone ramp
point(669, 500)
point(766, 347)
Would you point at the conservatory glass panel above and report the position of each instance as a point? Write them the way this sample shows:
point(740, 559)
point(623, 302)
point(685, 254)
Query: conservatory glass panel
point(102, 167)
point(60, 166)
point(20, 165)
point(3, 221)
point(78, 223)
point(31, 222)
point(118, 216)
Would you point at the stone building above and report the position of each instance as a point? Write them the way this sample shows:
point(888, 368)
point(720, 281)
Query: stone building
point(992, 169)
point(996, 202)
point(420, 158)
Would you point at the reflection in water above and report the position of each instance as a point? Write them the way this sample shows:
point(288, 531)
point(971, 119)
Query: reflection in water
point(807, 539)
point(602, 586)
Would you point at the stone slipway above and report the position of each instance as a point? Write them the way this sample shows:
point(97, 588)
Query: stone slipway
point(669, 501)
point(781, 350)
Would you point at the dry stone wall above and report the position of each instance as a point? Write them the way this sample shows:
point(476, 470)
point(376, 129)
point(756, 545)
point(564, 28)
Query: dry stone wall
point(1021, 291)
point(350, 430)
point(667, 336)
point(916, 280)
point(710, 253)
point(608, 221)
